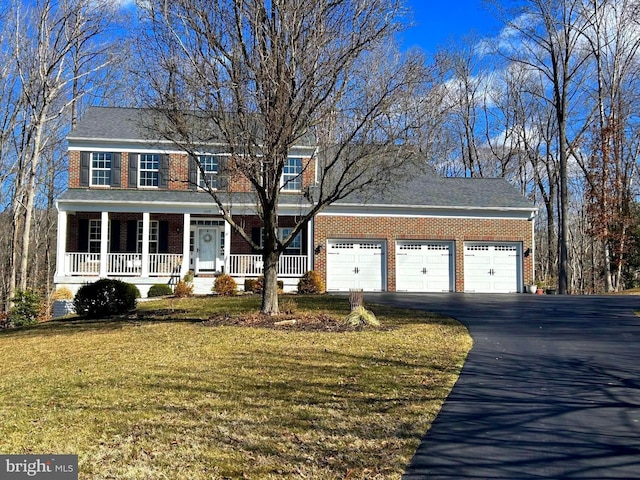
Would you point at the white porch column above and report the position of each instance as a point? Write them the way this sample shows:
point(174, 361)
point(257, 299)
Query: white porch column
point(186, 228)
point(104, 243)
point(145, 244)
point(310, 245)
point(61, 244)
point(227, 246)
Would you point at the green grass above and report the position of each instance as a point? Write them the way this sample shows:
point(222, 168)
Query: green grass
point(176, 400)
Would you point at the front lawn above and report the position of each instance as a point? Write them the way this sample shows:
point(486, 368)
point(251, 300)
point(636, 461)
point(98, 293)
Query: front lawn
point(173, 399)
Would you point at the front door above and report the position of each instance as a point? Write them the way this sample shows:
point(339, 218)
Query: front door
point(206, 257)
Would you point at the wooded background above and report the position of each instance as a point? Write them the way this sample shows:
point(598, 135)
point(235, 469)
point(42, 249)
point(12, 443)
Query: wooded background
point(551, 104)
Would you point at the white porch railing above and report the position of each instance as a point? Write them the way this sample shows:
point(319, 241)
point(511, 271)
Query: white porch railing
point(123, 264)
point(251, 265)
point(164, 264)
point(83, 263)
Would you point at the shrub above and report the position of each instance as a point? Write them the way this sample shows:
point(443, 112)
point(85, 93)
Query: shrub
point(160, 290)
point(183, 289)
point(249, 284)
point(104, 298)
point(360, 317)
point(26, 309)
point(225, 285)
point(258, 285)
point(188, 277)
point(311, 282)
point(62, 293)
point(134, 290)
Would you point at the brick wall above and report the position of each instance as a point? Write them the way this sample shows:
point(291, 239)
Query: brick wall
point(390, 229)
point(179, 173)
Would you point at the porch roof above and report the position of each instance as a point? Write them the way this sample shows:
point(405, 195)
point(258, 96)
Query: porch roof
point(167, 201)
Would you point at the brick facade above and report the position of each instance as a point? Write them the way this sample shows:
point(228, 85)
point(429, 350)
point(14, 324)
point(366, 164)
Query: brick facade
point(391, 229)
point(179, 173)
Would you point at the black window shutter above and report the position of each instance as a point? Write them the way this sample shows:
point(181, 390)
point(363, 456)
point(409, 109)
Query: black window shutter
point(163, 236)
point(133, 170)
point(303, 241)
point(193, 174)
point(163, 181)
point(83, 235)
point(116, 169)
point(85, 158)
point(132, 235)
point(256, 236)
point(222, 174)
point(115, 235)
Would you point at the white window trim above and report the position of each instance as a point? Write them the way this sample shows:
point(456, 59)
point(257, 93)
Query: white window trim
point(201, 184)
point(281, 236)
point(286, 182)
point(154, 226)
point(140, 170)
point(93, 169)
point(94, 224)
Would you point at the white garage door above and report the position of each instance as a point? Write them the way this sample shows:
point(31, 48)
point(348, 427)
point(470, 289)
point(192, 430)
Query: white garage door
point(355, 264)
point(492, 267)
point(424, 266)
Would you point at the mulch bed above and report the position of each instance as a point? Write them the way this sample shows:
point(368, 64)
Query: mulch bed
point(296, 322)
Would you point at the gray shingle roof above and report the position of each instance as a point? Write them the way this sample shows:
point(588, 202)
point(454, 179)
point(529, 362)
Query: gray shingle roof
point(137, 125)
point(428, 189)
point(178, 197)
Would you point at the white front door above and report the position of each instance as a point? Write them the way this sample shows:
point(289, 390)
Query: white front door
point(424, 266)
point(206, 250)
point(492, 268)
point(355, 264)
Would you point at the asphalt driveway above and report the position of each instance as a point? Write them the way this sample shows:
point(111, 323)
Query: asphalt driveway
point(551, 389)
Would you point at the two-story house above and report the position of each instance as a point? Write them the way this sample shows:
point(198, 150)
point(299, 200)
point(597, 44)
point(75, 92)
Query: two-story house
point(136, 209)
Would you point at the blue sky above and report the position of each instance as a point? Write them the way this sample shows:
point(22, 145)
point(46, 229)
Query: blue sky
point(437, 22)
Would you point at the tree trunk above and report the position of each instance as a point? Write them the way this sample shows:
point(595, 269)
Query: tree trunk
point(270, 287)
point(270, 259)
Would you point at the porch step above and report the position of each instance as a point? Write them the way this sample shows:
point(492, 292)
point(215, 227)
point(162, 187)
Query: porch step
point(203, 285)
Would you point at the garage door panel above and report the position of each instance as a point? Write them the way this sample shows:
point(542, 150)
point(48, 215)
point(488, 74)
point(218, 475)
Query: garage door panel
point(492, 268)
point(424, 266)
point(355, 264)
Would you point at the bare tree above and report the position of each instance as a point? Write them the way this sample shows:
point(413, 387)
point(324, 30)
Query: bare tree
point(49, 39)
point(546, 35)
point(611, 167)
point(263, 74)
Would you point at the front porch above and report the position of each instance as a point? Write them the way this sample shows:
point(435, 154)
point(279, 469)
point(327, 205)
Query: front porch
point(147, 248)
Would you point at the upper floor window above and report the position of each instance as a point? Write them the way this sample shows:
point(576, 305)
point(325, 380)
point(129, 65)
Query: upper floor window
point(211, 166)
point(149, 170)
point(101, 168)
point(292, 174)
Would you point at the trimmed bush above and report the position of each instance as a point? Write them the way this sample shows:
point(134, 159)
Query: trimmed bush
point(225, 285)
point(249, 284)
point(104, 298)
point(26, 309)
point(160, 290)
point(134, 290)
point(183, 289)
point(258, 285)
point(311, 283)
